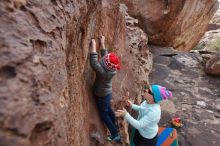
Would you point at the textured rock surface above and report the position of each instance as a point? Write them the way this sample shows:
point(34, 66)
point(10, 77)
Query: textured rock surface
point(209, 46)
point(196, 96)
point(213, 65)
point(136, 65)
point(179, 24)
point(209, 43)
point(45, 77)
point(215, 22)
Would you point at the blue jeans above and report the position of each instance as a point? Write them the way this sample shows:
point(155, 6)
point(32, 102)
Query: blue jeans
point(106, 113)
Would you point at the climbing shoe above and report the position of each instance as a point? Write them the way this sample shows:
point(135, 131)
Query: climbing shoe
point(114, 138)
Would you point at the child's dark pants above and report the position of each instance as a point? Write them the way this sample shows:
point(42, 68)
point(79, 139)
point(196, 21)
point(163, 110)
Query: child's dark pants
point(141, 141)
point(106, 113)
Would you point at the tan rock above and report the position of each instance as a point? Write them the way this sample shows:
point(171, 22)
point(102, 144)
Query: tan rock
point(213, 65)
point(45, 76)
point(179, 24)
point(19, 3)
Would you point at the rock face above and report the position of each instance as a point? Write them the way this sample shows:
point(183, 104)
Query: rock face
point(195, 96)
point(45, 76)
point(215, 22)
point(179, 24)
point(213, 65)
point(209, 46)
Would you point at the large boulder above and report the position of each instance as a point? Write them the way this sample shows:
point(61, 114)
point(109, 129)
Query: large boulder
point(213, 65)
point(179, 24)
point(45, 77)
point(215, 22)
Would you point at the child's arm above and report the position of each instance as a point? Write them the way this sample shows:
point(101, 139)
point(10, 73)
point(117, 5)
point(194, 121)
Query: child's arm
point(96, 66)
point(143, 122)
point(102, 44)
point(103, 52)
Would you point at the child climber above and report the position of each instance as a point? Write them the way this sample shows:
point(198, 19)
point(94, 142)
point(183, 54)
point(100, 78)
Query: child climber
point(149, 115)
point(105, 70)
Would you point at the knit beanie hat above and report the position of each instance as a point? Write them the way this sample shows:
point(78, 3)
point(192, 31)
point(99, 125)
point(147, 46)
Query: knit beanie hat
point(111, 62)
point(160, 93)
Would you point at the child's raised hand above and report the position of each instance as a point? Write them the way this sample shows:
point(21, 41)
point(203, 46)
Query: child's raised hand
point(102, 39)
point(102, 42)
point(93, 46)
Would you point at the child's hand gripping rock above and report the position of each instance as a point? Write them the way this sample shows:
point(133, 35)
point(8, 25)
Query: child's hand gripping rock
point(102, 42)
point(93, 46)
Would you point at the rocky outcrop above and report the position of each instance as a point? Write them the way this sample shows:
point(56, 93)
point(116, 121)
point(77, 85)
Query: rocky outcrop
point(179, 24)
point(215, 22)
point(45, 76)
point(209, 46)
point(137, 63)
point(213, 65)
point(195, 96)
